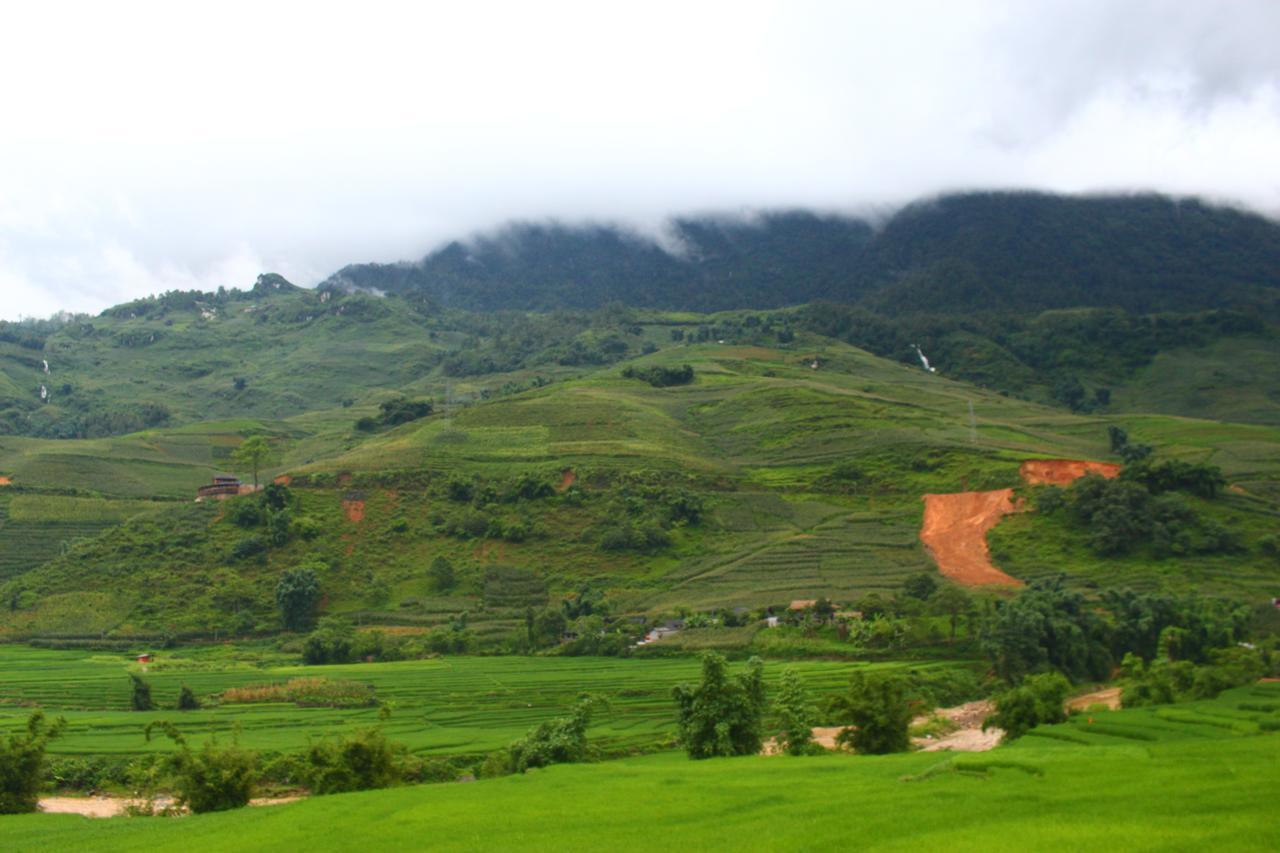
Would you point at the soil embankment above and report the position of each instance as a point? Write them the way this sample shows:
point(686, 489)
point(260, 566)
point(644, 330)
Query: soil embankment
point(968, 736)
point(5, 481)
point(1063, 472)
point(1109, 697)
point(117, 806)
point(955, 534)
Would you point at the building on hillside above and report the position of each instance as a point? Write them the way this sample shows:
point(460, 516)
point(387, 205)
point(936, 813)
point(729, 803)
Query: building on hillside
point(223, 486)
point(802, 604)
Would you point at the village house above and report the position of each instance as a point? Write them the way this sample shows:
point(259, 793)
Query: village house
point(223, 486)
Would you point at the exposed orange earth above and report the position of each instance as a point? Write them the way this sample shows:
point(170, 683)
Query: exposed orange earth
point(354, 510)
point(5, 481)
point(955, 525)
point(1063, 472)
point(955, 534)
point(567, 479)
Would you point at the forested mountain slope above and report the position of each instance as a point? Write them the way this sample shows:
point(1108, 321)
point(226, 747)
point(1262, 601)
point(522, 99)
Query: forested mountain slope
point(1025, 252)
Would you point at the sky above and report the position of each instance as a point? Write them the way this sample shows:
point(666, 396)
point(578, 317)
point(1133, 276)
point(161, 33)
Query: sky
point(146, 147)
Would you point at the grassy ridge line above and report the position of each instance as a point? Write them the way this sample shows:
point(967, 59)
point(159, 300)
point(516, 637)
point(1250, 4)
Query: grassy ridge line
point(1175, 793)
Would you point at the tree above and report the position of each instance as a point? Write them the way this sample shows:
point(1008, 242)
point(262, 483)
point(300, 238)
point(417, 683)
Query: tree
point(878, 712)
point(296, 595)
point(187, 699)
point(253, 452)
point(1047, 626)
point(356, 762)
point(140, 699)
point(22, 764)
point(920, 586)
point(952, 601)
point(441, 574)
point(1037, 701)
point(217, 778)
point(723, 715)
point(795, 717)
point(558, 741)
point(1118, 437)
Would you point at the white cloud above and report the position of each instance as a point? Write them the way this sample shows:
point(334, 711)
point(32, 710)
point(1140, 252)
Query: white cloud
point(157, 145)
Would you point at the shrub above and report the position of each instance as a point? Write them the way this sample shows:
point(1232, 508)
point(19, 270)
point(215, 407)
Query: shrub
point(245, 512)
point(1037, 701)
point(187, 699)
point(560, 741)
point(297, 593)
point(878, 712)
point(356, 762)
point(795, 717)
point(659, 376)
point(250, 546)
point(722, 715)
point(140, 698)
point(332, 642)
point(22, 764)
point(441, 574)
point(215, 779)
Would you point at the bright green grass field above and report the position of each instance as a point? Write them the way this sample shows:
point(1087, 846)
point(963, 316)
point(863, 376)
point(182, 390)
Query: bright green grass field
point(445, 706)
point(1188, 787)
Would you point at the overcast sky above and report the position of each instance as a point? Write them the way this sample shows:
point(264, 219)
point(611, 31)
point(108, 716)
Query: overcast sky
point(146, 147)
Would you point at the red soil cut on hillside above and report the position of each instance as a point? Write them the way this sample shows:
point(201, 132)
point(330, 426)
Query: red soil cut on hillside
point(567, 479)
point(5, 481)
point(1063, 472)
point(955, 533)
point(283, 480)
point(354, 510)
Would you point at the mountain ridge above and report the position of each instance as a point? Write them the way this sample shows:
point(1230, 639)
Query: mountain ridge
point(1022, 250)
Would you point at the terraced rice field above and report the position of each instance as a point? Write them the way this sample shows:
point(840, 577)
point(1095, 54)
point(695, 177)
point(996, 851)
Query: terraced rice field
point(1201, 776)
point(456, 705)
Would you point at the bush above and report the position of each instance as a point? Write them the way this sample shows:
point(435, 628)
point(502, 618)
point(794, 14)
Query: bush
point(560, 741)
point(297, 593)
point(441, 574)
point(216, 778)
point(332, 642)
point(187, 699)
point(250, 546)
point(1037, 701)
point(356, 762)
point(795, 717)
point(878, 712)
point(140, 698)
point(22, 764)
point(659, 376)
point(722, 716)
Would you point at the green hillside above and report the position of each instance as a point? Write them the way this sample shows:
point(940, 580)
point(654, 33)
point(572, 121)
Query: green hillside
point(763, 480)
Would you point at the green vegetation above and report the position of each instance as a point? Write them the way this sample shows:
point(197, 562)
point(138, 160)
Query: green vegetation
point(723, 715)
point(1127, 779)
point(22, 764)
point(212, 779)
point(877, 714)
point(1035, 702)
